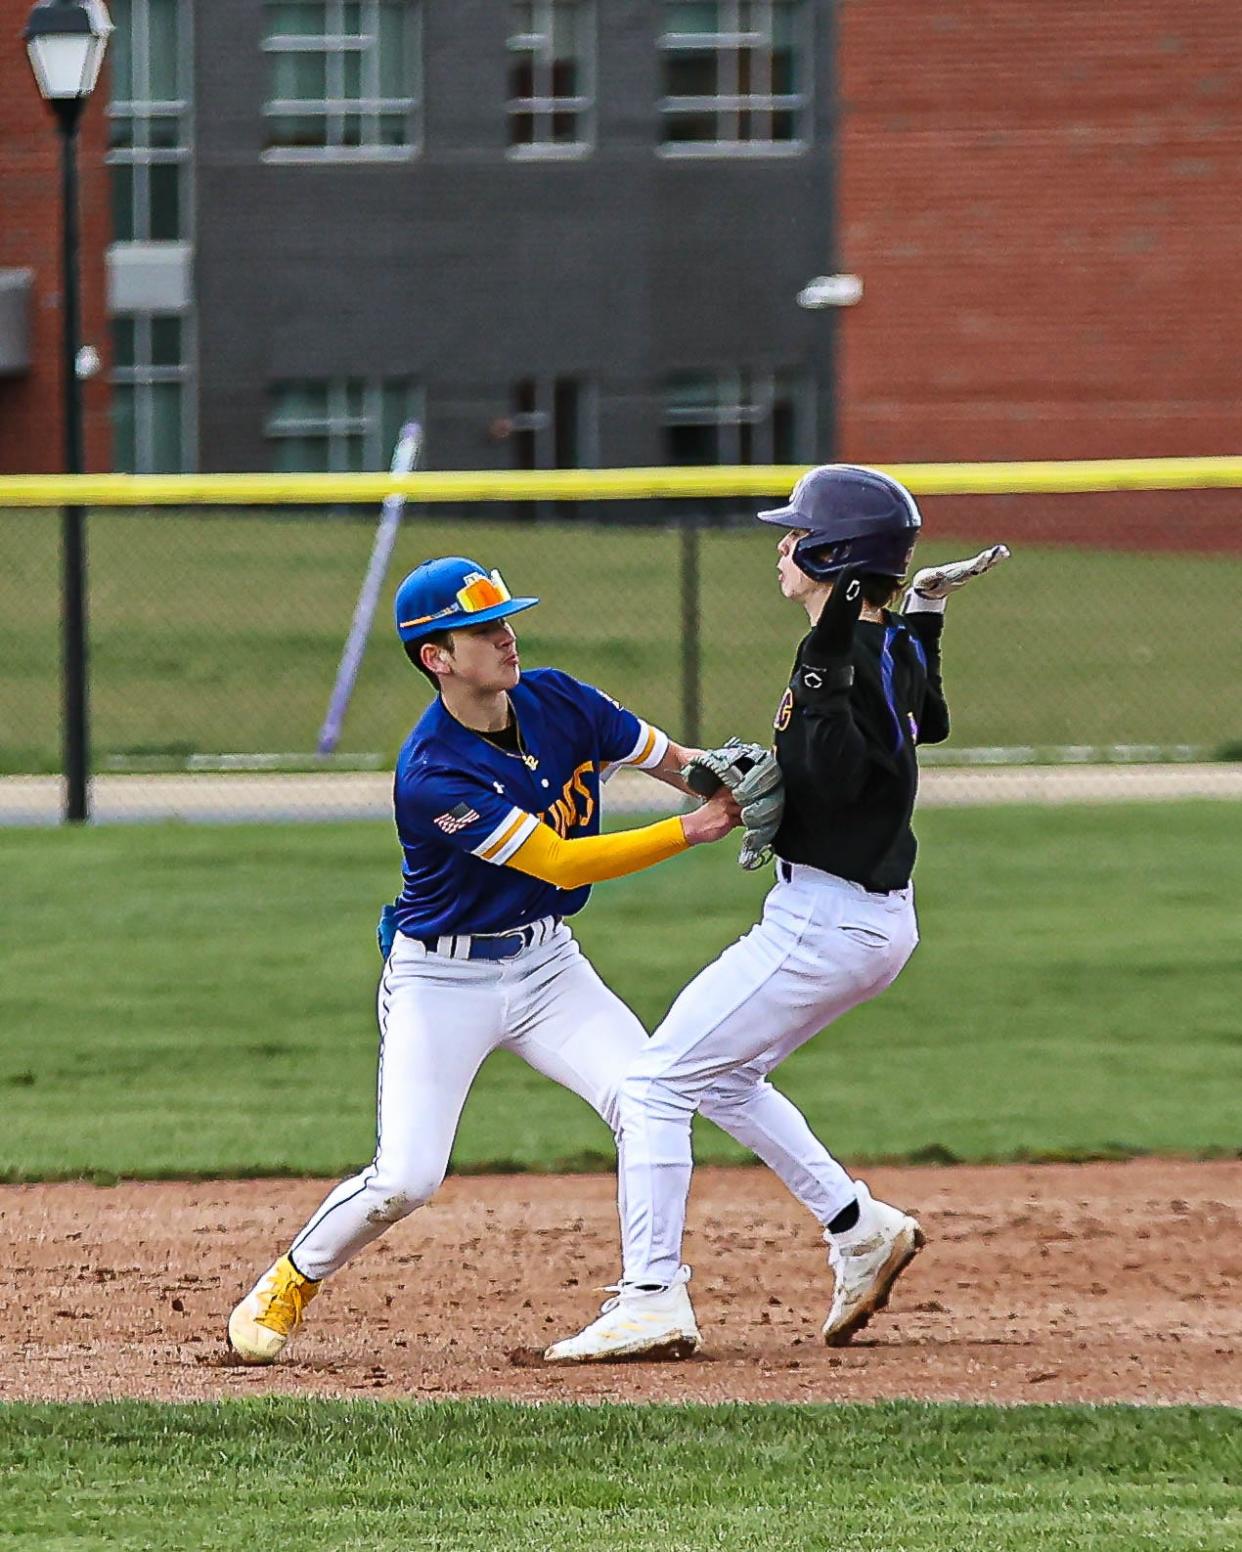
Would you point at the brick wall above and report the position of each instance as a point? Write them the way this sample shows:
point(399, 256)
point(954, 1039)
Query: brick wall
point(31, 425)
point(1044, 201)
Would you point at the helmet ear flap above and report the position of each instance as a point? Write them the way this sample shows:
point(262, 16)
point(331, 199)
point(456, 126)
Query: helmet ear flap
point(884, 554)
point(818, 558)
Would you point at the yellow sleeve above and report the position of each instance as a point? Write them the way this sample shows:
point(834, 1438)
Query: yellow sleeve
point(593, 858)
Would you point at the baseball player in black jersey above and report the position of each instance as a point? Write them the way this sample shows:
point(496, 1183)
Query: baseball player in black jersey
point(837, 927)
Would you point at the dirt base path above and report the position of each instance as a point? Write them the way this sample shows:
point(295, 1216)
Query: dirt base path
point(1110, 1282)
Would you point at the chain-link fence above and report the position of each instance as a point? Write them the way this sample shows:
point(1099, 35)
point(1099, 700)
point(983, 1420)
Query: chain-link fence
point(1107, 642)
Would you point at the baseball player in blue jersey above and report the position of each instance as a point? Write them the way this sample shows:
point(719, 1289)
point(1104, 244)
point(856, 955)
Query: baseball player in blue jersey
point(497, 798)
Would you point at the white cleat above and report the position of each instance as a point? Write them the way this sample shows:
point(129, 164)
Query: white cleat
point(866, 1261)
point(659, 1325)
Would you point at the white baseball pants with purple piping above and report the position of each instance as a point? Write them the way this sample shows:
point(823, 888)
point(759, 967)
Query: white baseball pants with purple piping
point(824, 945)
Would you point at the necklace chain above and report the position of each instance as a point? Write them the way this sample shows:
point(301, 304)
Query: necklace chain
point(521, 753)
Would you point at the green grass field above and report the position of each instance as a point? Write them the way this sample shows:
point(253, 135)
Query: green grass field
point(199, 1000)
point(185, 1000)
point(214, 633)
point(486, 1477)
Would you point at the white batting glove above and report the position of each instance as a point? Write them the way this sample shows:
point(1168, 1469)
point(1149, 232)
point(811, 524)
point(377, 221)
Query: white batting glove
point(933, 584)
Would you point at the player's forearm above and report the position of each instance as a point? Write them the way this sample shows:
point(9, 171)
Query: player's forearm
point(927, 629)
point(669, 769)
point(934, 718)
point(592, 859)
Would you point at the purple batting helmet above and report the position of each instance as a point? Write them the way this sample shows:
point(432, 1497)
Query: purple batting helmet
point(853, 517)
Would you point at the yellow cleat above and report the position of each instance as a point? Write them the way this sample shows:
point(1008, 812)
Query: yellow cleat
point(270, 1313)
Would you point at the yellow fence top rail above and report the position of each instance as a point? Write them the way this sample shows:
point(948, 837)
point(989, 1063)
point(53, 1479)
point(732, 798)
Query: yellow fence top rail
point(926, 479)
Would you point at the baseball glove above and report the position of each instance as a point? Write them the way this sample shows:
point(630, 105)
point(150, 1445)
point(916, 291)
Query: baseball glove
point(751, 773)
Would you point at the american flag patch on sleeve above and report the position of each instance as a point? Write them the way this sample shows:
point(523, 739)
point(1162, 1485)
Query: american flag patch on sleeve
point(456, 819)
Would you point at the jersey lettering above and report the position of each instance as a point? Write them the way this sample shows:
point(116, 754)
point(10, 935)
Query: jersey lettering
point(784, 711)
point(573, 809)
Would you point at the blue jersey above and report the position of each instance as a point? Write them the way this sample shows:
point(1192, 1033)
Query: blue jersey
point(464, 806)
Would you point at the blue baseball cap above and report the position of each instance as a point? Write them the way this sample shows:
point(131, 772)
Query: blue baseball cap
point(451, 592)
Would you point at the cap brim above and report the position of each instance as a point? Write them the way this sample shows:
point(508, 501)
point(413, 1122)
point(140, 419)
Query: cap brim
point(463, 621)
point(786, 517)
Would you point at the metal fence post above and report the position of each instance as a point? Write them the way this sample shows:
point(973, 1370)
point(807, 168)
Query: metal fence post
point(690, 628)
point(73, 541)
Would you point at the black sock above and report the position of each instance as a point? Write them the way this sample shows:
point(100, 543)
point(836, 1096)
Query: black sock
point(846, 1219)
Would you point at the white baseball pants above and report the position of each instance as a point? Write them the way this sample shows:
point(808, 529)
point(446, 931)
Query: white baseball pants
point(824, 945)
point(440, 1018)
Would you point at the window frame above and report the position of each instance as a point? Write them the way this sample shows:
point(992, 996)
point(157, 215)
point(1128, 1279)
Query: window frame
point(541, 424)
point(800, 103)
point(142, 374)
point(745, 396)
point(584, 104)
point(335, 109)
point(339, 424)
point(140, 110)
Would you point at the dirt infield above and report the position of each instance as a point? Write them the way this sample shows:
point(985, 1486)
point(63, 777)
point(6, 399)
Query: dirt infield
point(1112, 1282)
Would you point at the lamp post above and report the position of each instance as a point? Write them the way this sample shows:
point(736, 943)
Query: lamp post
point(66, 40)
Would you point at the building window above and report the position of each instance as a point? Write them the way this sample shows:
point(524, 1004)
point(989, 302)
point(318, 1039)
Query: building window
point(343, 426)
point(736, 417)
point(149, 121)
point(551, 424)
point(550, 77)
point(150, 403)
point(735, 76)
point(343, 77)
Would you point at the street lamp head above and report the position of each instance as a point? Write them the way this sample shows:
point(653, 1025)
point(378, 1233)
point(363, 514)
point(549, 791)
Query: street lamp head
point(66, 40)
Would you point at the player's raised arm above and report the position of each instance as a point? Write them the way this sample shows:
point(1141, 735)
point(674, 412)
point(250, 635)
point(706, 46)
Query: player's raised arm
point(923, 610)
point(823, 750)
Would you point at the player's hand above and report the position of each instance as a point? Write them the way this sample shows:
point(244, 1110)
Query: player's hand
point(936, 582)
point(833, 637)
point(750, 773)
point(720, 814)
